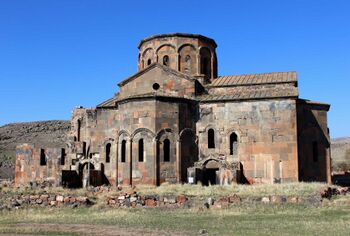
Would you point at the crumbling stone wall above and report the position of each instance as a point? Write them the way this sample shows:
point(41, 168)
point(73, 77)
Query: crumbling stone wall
point(31, 167)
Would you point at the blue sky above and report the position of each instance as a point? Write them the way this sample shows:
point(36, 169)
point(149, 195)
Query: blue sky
point(59, 54)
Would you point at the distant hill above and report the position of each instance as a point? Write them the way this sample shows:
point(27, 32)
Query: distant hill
point(42, 133)
point(341, 154)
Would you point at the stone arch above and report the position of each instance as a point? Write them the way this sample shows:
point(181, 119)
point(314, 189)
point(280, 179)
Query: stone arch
point(205, 55)
point(166, 156)
point(165, 45)
point(108, 140)
point(124, 133)
point(169, 51)
point(172, 137)
point(187, 130)
point(148, 57)
point(188, 151)
point(186, 44)
point(233, 144)
point(143, 171)
point(205, 137)
point(166, 131)
point(188, 59)
point(238, 132)
point(142, 130)
point(210, 169)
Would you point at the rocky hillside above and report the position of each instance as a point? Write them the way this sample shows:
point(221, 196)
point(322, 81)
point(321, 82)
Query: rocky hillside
point(44, 133)
point(341, 154)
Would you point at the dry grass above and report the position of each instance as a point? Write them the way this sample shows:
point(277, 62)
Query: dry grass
point(333, 218)
point(290, 189)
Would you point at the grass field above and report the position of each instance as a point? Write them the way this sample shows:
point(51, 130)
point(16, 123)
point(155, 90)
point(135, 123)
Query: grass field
point(332, 218)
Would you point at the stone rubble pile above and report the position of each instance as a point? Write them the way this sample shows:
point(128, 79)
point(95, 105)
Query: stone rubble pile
point(45, 200)
point(135, 200)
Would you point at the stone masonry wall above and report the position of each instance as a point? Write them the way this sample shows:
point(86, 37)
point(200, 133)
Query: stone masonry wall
point(267, 138)
point(314, 142)
point(29, 167)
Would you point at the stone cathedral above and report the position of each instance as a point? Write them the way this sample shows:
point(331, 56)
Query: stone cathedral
point(177, 121)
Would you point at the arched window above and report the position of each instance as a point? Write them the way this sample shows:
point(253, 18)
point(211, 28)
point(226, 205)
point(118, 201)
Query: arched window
point(233, 144)
point(211, 138)
point(204, 66)
point(42, 157)
point(108, 152)
point(187, 63)
point(123, 157)
point(78, 130)
point(205, 56)
point(63, 156)
point(166, 60)
point(149, 62)
point(166, 150)
point(141, 150)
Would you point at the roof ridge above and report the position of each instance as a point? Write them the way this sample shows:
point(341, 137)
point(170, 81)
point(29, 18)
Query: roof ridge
point(263, 73)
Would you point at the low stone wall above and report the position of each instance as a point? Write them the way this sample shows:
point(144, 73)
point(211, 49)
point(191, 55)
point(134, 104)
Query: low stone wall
point(119, 199)
point(44, 200)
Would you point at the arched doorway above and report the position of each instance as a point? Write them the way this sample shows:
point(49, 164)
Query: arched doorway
point(210, 172)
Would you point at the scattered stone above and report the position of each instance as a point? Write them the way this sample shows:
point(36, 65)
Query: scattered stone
point(150, 203)
point(292, 199)
point(181, 199)
point(133, 199)
point(210, 201)
point(59, 198)
point(265, 200)
point(234, 199)
point(39, 201)
point(170, 200)
point(276, 199)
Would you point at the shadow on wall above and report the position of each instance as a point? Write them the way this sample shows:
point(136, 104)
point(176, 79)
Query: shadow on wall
point(313, 145)
point(73, 179)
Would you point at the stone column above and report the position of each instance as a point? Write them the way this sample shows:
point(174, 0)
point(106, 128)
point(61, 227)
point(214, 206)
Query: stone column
point(199, 64)
point(130, 160)
point(155, 151)
point(116, 162)
point(177, 62)
point(211, 65)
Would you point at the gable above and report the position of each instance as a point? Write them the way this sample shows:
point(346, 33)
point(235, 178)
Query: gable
point(160, 81)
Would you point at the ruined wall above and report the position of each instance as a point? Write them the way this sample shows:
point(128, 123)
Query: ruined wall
point(266, 133)
point(34, 164)
point(313, 142)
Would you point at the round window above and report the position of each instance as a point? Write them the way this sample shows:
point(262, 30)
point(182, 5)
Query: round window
point(156, 86)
